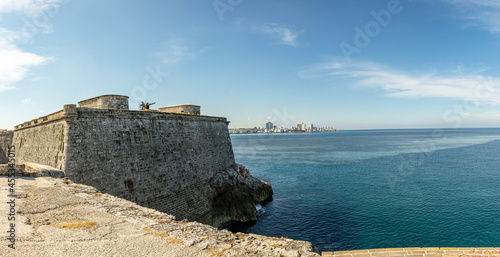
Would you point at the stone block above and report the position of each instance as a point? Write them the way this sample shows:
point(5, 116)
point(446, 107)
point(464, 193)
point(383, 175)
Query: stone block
point(181, 109)
point(115, 102)
point(5, 141)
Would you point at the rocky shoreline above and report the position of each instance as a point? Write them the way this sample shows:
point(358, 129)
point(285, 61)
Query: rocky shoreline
point(56, 217)
point(234, 194)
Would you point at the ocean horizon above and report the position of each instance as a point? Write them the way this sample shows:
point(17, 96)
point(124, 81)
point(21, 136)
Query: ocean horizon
point(382, 188)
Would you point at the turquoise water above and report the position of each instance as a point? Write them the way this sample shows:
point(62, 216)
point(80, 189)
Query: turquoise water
point(378, 188)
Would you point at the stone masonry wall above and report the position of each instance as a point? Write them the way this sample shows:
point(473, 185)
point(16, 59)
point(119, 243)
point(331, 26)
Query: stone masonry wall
point(5, 142)
point(184, 108)
point(117, 102)
point(42, 144)
point(158, 160)
point(177, 163)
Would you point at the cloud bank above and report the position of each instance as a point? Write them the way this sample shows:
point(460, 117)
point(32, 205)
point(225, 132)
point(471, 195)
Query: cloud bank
point(475, 87)
point(14, 62)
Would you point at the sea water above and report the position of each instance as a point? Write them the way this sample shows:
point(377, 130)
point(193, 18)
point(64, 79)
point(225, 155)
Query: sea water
point(378, 188)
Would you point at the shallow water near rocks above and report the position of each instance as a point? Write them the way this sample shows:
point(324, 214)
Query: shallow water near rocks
point(378, 188)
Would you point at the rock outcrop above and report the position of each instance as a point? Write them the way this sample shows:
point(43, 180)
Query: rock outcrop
point(234, 195)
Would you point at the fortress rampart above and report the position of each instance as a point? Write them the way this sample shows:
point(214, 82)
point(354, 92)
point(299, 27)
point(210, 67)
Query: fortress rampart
point(43, 140)
point(182, 108)
point(118, 102)
point(181, 164)
point(5, 141)
point(155, 159)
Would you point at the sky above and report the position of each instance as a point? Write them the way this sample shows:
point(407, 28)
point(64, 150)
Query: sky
point(350, 64)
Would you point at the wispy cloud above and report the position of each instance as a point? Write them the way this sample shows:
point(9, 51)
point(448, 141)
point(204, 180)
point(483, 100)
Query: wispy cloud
point(4, 88)
point(286, 35)
point(177, 51)
point(28, 7)
point(27, 100)
point(14, 62)
point(470, 87)
point(481, 13)
point(485, 115)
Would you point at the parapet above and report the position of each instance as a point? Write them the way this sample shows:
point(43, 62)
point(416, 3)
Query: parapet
point(115, 102)
point(47, 119)
point(6, 132)
point(181, 108)
point(113, 106)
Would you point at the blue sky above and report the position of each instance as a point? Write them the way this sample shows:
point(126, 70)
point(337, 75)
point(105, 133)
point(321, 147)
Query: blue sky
point(348, 64)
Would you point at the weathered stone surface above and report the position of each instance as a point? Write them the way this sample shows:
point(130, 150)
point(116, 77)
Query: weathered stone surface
point(238, 187)
point(43, 170)
point(19, 170)
point(44, 144)
point(182, 108)
point(260, 191)
point(31, 170)
point(59, 218)
point(5, 142)
point(419, 251)
point(117, 102)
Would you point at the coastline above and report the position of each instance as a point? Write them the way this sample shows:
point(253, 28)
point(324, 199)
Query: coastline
point(276, 133)
point(243, 131)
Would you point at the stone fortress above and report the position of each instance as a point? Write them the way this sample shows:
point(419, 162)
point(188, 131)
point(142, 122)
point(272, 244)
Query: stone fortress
point(174, 160)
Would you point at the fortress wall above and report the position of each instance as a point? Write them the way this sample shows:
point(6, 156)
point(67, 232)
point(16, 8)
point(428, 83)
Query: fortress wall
point(183, 108)
point(5, 142)
point(159, 160)
point(42, 143)
point(117, 102)
point(182, 164)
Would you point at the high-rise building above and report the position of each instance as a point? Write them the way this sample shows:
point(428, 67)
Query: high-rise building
point(269, 126)
point(303, 127)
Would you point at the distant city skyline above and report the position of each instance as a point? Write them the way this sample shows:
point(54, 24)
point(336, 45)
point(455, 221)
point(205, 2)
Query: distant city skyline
point(302, 126)
point(269, 127)
point(351, 64)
